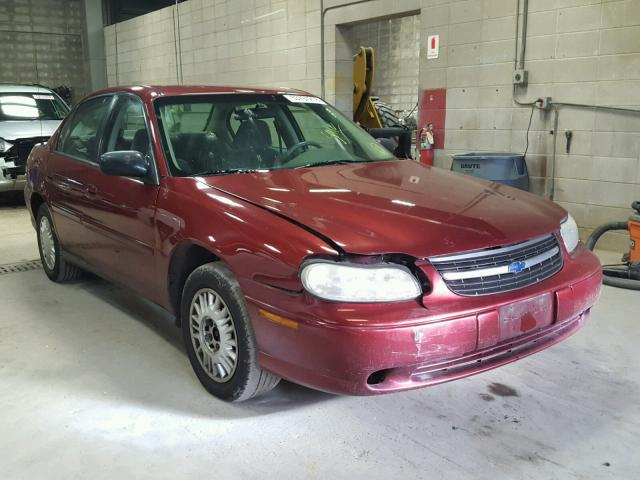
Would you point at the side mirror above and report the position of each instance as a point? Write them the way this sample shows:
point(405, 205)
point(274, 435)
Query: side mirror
point(124, 163)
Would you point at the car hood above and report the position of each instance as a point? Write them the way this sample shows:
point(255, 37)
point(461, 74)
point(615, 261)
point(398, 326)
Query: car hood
point(397, 207)
point(14, 129)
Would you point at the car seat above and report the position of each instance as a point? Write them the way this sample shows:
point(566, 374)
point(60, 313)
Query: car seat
point(252, 144)
point(140, 141)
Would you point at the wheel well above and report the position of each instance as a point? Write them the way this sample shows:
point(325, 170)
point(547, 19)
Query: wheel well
point(185, 259)
point(36, 201)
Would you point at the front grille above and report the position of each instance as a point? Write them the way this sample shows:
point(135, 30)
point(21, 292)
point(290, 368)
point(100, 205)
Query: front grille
point(500, 269)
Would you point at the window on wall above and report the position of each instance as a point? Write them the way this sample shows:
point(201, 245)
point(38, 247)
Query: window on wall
point(120, 10)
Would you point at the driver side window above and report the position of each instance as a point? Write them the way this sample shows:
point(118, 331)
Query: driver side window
point(79, 137)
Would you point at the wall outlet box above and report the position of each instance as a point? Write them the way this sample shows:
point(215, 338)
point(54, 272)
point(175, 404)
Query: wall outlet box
point(520, 77)
point(544, 103)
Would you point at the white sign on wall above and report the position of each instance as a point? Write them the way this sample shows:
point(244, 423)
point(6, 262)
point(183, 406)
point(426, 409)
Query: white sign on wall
point(433, 46)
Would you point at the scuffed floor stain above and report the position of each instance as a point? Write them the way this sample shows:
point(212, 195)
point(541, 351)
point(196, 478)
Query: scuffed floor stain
point(502, 390)
point(486, 397)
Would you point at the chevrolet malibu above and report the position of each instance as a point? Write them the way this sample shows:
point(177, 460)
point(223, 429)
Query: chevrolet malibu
point(288, 243)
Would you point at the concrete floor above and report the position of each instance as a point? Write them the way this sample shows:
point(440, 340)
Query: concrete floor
point(95, 384)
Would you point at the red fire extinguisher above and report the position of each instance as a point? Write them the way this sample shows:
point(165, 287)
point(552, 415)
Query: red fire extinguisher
point(425, 144)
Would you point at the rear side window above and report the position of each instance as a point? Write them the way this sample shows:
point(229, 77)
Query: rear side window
point(79, 137)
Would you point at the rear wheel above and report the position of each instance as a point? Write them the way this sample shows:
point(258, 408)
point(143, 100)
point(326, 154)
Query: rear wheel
point(218, 336)
point(53, 262)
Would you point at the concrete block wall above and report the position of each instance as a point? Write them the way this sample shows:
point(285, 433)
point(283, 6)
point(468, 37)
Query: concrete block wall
point(578, 51)
point(42, 41)
point(235, 42)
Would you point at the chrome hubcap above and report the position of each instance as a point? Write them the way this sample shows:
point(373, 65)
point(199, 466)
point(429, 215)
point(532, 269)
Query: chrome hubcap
point(47, 243)
point(213, 335)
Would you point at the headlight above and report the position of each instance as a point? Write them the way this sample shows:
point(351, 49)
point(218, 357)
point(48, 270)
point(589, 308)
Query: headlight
point(360, 283)
point(569, 233)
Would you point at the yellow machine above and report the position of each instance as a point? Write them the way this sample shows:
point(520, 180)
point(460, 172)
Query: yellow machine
point(364, 110)
point(374, 116)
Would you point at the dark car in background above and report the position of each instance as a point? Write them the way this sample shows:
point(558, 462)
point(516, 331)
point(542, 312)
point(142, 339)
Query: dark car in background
point(290, 244)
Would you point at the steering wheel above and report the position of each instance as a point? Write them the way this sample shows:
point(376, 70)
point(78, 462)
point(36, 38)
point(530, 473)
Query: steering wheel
point(286, 157)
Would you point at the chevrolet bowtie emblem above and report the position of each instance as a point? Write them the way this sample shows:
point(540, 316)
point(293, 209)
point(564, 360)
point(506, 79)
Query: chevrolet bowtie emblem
point(517, 267)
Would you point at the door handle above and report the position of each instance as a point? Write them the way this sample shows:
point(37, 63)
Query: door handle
point(92, 190)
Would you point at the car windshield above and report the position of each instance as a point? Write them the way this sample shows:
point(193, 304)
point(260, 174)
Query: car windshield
point(31, 106)
point(223, 134)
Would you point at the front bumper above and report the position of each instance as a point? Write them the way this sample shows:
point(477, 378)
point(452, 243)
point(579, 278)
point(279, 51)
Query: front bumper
point(424, 346)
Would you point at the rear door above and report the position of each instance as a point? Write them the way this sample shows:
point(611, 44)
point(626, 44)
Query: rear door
point(120, 215)
point(69, 167)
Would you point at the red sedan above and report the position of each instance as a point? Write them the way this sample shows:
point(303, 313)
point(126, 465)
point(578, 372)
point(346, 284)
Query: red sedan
point(290, 244)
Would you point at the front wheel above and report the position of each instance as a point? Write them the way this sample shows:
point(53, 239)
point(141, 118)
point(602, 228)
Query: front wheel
point(218, 336)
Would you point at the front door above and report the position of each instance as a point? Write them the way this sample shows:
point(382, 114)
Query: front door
point(121, 214)
point(70, 165)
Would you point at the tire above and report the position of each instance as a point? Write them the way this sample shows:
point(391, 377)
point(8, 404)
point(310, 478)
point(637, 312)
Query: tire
point(601, 230)
point(215, 328)
point(387, 115)
point(53, 262)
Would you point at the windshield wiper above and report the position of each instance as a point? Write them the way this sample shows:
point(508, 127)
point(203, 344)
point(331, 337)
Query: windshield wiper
point(332, 162)
point(230, 171)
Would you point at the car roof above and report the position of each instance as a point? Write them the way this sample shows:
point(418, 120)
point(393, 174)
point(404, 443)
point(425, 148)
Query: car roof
point(149, 92)
point(17, 88)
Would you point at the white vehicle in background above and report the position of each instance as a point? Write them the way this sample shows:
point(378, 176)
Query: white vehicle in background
point(29, 114)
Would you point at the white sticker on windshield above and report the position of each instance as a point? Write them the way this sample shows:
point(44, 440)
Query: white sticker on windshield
point(43, 97)
point(304, 99)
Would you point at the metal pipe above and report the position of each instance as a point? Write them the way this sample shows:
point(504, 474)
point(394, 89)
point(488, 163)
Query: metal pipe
point(179, 62)
point(323, 12)
point(115, 38)
point(598, 107)
point(523, 43)
point(175, 44)
point(553, 157)
point(515, 50)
